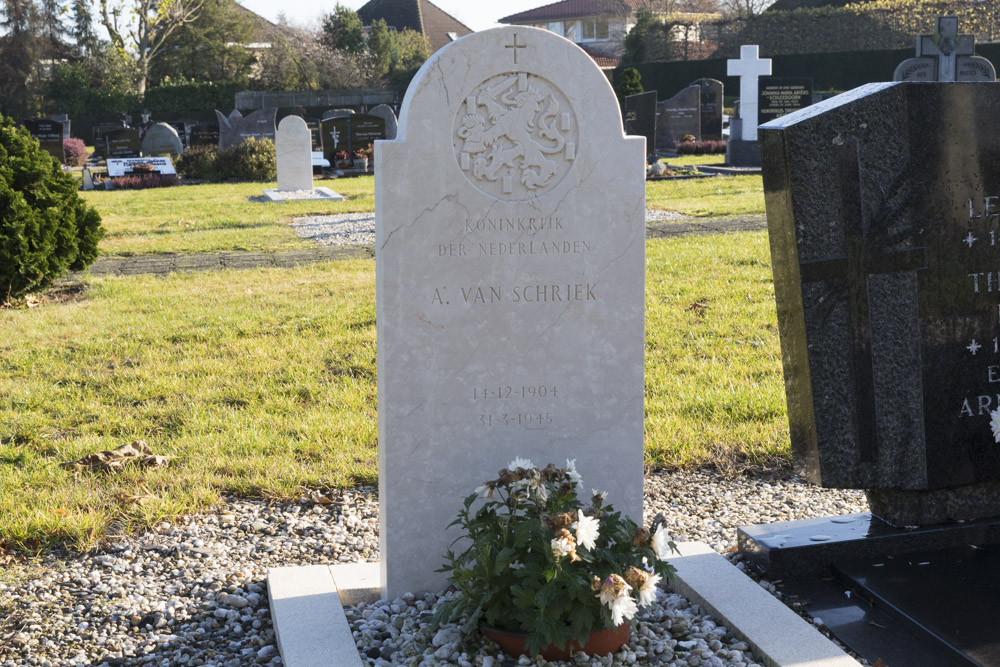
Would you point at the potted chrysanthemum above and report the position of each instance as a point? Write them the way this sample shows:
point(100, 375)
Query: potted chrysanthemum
point(543, 571)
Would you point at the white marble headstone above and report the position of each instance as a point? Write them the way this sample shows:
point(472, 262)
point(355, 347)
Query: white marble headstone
point(510, 251)
point(293, 149)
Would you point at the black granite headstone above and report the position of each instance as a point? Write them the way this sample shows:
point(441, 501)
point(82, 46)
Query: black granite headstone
point(49, 134)
point(122, 143)
point(678, 117)
point(711, 108)
point(205, 134)
point(315, 130)
point(779, 96)
point(336, 136)
point(99, 131)
point(640, 117)
point(365, 129)
point(883, 207)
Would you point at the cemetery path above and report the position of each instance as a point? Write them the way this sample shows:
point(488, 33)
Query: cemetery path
point(165, 263)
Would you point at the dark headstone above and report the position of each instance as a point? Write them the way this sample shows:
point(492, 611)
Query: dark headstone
point(122, 143)
point(883, 205)
point(779, 96)
point(365, 129)
point(336, 136)
point(236, 129)
point(66, 122)
point(711, 108)
point(677, 117)
point(314, 128)
point(640, 117)
point(337, 113)
point(99, 131)
point(946, 56)
point(181, 128)
point(385, 112)
point(50, 135)
point(205, 134)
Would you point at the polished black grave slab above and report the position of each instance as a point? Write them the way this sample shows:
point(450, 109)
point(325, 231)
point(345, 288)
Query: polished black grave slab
point(952, 595)
point(805, 548)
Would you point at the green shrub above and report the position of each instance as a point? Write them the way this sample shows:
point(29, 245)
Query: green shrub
point(45, 228)
point(252, 160)
point(198, 162)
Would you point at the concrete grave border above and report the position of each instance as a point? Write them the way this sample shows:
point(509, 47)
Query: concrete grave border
point(312, 630)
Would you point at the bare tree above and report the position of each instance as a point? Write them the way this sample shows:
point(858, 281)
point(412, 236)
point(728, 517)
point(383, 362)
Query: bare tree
point(141, 27)
point(744, 9)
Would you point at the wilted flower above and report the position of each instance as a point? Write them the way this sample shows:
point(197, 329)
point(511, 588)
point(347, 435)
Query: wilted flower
point(647, 592)
point(995, 424)
point(587, 529)
point(564, 545)
point(598, 497)
point(641, 536)
point(559, 522)
point(485, 490)
point(661, 543)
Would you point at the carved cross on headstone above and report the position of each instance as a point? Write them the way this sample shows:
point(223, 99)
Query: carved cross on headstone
point(854, 269)
point(946, 45)
point(515, 46)
point(749, 68)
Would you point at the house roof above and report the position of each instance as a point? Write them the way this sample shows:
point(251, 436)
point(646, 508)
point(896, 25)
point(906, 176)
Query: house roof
point(421, 15)
point(603, 60)
point(567, 9)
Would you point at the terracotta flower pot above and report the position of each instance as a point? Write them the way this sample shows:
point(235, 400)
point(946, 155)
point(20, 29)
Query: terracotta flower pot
point(600, 642)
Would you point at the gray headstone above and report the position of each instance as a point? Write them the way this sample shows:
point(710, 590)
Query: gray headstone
point(509, 286)
point(385, 112)
point(162, 139)
point(88, 179)
point(945, 56)
point(678, 116)
point(711, 108)
point(293, 147)
point(50, 136)
point(883, 206)
point(236, 129)
point(779, 96)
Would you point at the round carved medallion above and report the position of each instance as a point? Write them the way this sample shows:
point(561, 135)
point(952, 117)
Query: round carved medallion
point(516, 136)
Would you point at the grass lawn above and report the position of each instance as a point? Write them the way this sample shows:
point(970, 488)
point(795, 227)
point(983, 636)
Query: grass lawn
point(209, 218)
point(212, 218)
point(262, 382)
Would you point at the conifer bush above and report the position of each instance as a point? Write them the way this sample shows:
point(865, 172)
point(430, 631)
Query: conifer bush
point(45, 227)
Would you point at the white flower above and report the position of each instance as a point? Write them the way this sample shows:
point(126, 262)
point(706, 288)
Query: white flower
point(661, 542)
point(586, 528)
point(573, 475)
point(647, 594)
point(599, 496)
point(520, 463)
point(614, 594)
point(485, 491)
point(622, 609)
point(563, 546)
point(995, 424)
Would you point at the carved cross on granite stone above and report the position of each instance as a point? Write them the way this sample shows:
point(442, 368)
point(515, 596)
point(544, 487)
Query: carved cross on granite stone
point(854, 270)
point(946, 45)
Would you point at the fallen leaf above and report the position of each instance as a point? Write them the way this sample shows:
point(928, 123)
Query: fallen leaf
point(136, 452)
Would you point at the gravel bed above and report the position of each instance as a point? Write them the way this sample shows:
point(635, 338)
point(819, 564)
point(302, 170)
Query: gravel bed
point(193, 591)
point(359, 228)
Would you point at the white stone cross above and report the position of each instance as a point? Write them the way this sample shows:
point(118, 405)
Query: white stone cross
point(749, 67)
point(946, 45)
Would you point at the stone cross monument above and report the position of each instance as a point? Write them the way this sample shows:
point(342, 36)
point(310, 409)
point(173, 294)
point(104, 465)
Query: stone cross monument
point(749, 67)
point(945, 56)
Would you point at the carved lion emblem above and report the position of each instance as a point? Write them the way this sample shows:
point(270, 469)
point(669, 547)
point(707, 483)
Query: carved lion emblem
point(515, 136)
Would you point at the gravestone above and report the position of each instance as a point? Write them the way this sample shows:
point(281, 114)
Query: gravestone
point(711, 108)
point(49, 134)
point(335, 134)
point(945, 56)
point(337, 113)
point(742, 149)
point(779, 96)
point(509, 286)
point(678, 116)
point(122, 143)
point(236, 129)
point(205, 134)
point(315, 131)
point(883, 210)
point(640, 117)
point(183, 129)
point(293, 147)
point(162, 139)
point(385, 112)
point(99, 131)
point(66, 123)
